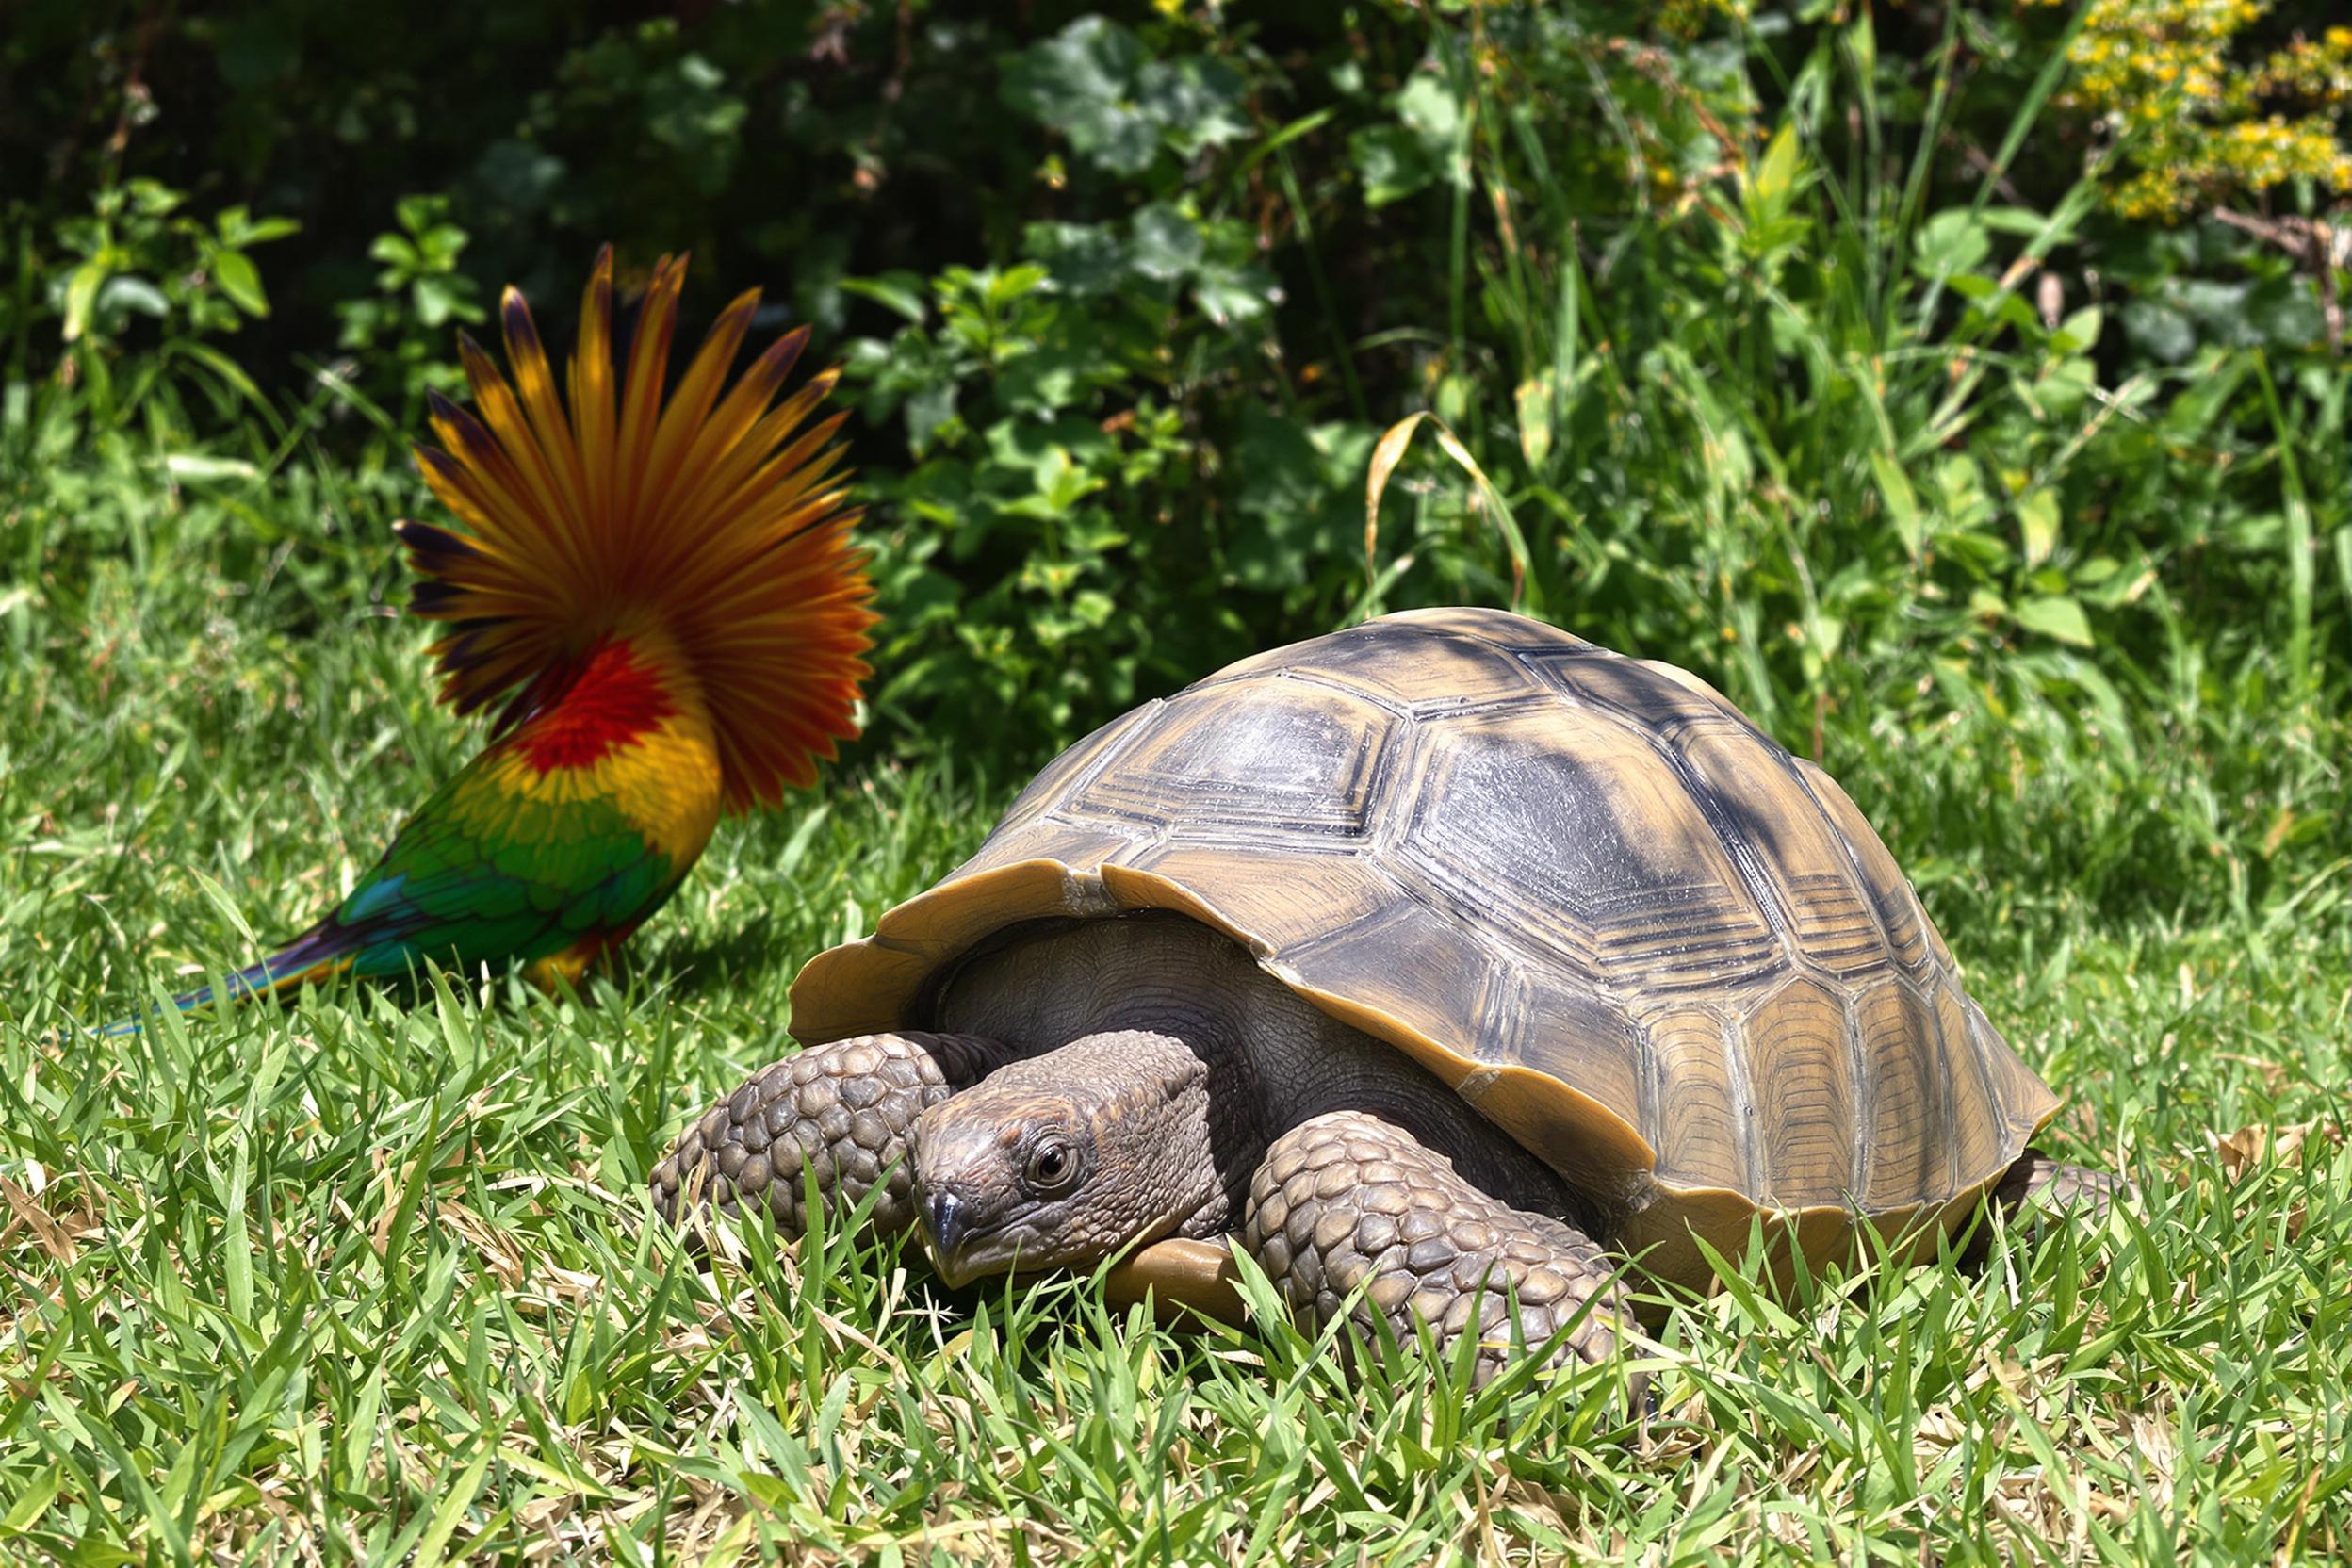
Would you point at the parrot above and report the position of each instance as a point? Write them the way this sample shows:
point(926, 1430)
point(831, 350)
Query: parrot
point(664, 604)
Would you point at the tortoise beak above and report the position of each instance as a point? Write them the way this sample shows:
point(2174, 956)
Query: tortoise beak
point(946, 1227)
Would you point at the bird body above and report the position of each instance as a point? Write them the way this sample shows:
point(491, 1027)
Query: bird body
point(667, 600)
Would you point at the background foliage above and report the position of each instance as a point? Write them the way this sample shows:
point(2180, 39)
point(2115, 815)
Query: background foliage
point(1847, 360)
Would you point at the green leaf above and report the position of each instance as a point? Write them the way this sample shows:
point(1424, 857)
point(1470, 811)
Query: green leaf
point(1392, 162)
point(1532, 399)
point(1902, 506)
point(240, 280)
point(1232, 296)
point(1168, 243)
point(1777, 172)
point(2055, 615)
point(2078, 332)
point(198, 466)
point(1081, 82)
point(1013, 283)
point(436, 302)
point(2037, 515)
point(898, 291)
point(451, 1510)
point(231, 373)
point(268, 229)
point(1951, 242)
point(1430, 110)
point(125, 292)
point(2159, 331)
point(1195, 102)
point(37, 1495)
point(81, 292)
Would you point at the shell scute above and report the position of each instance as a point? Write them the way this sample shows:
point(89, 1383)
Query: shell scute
point(1881, 881)
point(1298, 762)
point(1694, 1107)
point(1641, 694)
point(1800, 1070)
point(1557, 833)
point(1910, 1090)
point(1794, 860)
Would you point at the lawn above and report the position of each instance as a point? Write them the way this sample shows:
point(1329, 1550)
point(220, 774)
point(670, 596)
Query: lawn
point(371, 1279)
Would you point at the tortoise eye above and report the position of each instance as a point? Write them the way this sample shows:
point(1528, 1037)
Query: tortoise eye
point(1052, 1165)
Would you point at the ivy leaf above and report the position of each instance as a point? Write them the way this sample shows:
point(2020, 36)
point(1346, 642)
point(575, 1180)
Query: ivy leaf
point(1168, 244)
point(1430, 110)
point(1195, 102)
point(1295, 485)
point(1392, 162)
point(1085, 259)
point(2159, 331)
point(1232, 296)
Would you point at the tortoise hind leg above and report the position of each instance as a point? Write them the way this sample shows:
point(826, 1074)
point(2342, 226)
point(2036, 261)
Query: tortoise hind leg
point(1347, 1198)
point(2054, 1186)
point(844, 1111)
point(2038, 1182)
point(2035, 1190)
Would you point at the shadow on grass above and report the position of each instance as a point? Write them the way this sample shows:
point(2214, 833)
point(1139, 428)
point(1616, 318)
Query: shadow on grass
point(745, 959)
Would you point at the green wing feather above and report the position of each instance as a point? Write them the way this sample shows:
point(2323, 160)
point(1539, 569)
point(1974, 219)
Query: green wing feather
point(484, 873)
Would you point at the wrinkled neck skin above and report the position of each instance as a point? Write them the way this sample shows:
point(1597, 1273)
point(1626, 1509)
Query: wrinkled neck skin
point(1225, 1058)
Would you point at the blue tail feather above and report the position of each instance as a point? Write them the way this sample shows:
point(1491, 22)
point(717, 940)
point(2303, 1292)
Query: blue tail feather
point(323, 943)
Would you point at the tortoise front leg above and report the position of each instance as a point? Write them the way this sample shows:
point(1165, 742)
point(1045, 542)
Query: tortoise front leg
point(844, 1111)
point(1347, 1198)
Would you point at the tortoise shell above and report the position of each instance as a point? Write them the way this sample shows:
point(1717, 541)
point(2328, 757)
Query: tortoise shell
point(1661, 952)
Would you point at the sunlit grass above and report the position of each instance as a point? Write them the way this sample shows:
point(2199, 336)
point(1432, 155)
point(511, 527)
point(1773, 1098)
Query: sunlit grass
point(368, 1280)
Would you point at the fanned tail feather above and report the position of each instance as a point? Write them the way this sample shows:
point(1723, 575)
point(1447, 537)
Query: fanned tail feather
point(721, 514)
point(324, 951)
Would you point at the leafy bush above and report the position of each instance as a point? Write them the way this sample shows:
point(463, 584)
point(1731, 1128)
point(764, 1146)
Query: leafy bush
point(2203, 121)
point(134, 289)
point(1829, 356)
point(403, 330)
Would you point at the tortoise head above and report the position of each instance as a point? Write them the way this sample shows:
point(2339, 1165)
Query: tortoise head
point(1061, 1160)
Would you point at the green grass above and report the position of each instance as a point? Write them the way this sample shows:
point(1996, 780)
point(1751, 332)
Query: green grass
point(369, 1279)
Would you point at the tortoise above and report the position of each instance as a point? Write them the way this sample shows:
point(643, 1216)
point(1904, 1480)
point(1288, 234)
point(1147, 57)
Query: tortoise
point(1448, 955)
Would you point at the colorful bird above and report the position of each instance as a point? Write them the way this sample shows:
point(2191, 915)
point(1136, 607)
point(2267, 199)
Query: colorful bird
point(668, 604)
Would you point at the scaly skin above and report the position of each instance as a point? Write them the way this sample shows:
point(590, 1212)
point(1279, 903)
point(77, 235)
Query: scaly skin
point(1348, 1200)
point(1195, 1099)
point(845, 1111)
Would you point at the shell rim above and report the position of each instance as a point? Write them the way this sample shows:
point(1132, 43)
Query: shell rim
point(867, 985)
